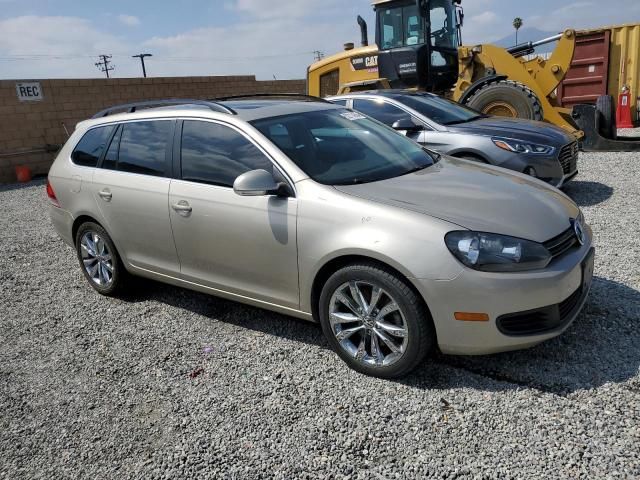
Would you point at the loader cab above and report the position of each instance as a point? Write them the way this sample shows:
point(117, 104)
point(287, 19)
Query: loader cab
point(418, 42)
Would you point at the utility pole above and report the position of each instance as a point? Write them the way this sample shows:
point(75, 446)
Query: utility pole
point(318, 54)
point(103, 64)
point(141, 56)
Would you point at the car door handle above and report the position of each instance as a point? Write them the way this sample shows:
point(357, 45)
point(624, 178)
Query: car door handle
point(182, 207)
point(106, 195)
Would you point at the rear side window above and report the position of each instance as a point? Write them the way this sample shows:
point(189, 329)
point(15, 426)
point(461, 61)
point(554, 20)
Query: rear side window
point(216, 155)
point(143, 147)
point(91, 146)
point(381, 111)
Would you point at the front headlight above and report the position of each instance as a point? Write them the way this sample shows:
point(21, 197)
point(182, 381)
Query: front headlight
point(517, 146)
point(496, 253)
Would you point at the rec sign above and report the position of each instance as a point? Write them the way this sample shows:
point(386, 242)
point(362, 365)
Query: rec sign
point(29, 92)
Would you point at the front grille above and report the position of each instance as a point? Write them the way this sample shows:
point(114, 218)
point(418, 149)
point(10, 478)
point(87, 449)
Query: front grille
point(541, 320)
point(569, 158)
point(561, 244)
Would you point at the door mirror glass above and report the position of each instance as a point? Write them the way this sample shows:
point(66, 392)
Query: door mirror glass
point(255, 183)
point(407, 124)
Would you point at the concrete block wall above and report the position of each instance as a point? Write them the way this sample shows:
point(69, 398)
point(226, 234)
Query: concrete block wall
point(30, 129)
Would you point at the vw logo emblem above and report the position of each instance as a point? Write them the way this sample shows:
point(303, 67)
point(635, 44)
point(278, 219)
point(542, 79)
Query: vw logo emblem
point(577, 226)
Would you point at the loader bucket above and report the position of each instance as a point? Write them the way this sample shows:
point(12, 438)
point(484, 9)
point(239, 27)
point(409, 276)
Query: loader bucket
point(588, 120)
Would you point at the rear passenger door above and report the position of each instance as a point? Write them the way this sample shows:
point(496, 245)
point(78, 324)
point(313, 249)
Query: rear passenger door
point(132, 192)
point(242, 245)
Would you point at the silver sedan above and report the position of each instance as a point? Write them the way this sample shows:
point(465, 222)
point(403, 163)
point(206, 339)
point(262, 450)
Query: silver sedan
point(537, 149)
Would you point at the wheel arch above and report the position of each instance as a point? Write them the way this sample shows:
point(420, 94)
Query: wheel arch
point(470, 153)
point(84, 218)
point(336, 263)
point(79, 221)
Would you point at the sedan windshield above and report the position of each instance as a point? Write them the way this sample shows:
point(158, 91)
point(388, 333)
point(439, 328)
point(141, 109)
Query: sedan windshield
point(440, 110)
point(342, 147)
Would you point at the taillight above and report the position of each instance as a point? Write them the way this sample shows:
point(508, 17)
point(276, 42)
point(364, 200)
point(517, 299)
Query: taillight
point(52, 195)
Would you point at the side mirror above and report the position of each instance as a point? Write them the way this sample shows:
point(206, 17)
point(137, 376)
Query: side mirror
point(256, 183)
point(407, 124)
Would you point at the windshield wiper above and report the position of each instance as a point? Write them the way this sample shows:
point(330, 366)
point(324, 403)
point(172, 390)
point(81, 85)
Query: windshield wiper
point(417, 169)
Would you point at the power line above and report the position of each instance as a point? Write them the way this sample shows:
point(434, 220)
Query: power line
point(318, 54)
point(103, 66)
point(141, 56)
point(167, 58)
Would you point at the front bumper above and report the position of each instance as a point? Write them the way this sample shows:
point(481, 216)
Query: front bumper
point(502, 295)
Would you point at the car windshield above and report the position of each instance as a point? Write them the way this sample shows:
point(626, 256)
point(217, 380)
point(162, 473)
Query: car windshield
point(342, 147)
point(440, 110)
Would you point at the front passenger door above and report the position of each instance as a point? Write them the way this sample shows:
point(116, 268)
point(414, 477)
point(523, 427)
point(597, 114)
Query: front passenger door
point(242, 245)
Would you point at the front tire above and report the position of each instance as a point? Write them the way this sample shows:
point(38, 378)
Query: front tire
point(99, 260)
point(375, 321)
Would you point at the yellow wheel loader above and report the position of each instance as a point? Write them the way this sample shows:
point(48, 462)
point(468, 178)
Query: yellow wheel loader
point(419, 46)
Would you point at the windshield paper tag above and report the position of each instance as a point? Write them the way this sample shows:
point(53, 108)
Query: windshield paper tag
point(353, 116)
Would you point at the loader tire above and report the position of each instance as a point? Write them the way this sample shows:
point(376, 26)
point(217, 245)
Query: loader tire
point(506, 98)
point(607, 110)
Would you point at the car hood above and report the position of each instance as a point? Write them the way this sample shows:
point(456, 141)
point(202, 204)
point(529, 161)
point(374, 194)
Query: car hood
point(477, 197)
point(516, 128)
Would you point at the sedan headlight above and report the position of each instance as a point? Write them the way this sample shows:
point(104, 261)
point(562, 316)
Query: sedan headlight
point(517, 146)
point(496, 253)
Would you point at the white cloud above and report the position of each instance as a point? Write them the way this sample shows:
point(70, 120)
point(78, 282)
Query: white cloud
point(286, 8)
point(56, 47)
point(129, 20)
point(278, 47)
point(587, 14)
point(483, 27)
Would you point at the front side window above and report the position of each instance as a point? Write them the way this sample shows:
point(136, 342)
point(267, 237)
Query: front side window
point(343, 147)
point(401, 27)
point(382, 111)
point(440, 110)
point(91, 146)
point(216, 154)
point(444, 31)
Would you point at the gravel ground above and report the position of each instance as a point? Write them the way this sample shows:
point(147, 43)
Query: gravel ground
point(102, 388)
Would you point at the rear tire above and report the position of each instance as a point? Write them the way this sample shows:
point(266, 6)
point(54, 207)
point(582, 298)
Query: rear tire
point(99, 260)
point(606, 107)
point(506, 98)
point(394, 333)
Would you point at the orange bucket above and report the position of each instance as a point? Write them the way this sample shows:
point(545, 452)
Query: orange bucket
point(23, 173)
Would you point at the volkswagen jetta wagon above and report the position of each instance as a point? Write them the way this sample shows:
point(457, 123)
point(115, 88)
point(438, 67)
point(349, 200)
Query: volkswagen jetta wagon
point(312, 210)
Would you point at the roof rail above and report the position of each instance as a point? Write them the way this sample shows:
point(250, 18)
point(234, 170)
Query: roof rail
point(132, 107)
point(299, 96)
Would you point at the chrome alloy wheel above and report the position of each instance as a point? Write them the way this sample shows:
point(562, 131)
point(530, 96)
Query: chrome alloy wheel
point(368, 323)
point(97, 259)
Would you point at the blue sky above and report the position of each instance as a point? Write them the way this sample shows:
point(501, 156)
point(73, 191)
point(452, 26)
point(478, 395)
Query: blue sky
point(62, 38)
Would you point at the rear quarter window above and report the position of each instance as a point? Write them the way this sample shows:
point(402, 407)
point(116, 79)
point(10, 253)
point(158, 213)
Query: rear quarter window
point(91, 146)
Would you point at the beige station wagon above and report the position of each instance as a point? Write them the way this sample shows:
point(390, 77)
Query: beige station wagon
point(316, 211)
